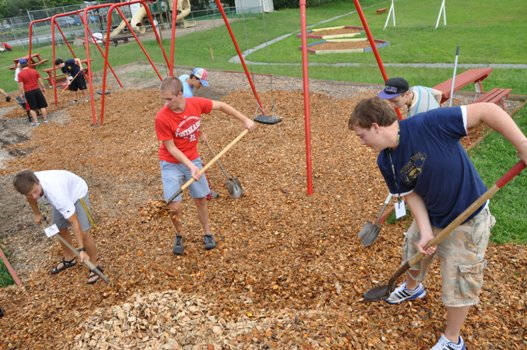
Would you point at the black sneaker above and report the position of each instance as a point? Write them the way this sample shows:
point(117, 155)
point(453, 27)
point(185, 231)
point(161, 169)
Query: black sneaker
point(209, 241)
point(8, 99)
point(178, 245)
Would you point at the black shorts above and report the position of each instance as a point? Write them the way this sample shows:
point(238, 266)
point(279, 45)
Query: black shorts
point(78, 83)
point(35, 99)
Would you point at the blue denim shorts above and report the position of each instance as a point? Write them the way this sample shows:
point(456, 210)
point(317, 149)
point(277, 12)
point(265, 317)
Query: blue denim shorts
point(174, 175)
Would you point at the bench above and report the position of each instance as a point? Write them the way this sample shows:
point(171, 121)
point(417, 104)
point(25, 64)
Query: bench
point(60, 78)
point(115, 40)
point(496, 95)
point(381, 10)
point(472, 76)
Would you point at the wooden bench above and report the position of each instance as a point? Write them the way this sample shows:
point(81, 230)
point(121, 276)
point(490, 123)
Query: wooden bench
point(115, 40)
point(472, 76)
point(381, 10)
point(496, 95)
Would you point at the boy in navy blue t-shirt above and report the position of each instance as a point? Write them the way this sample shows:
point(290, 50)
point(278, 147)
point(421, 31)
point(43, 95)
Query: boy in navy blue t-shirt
point(422, 160)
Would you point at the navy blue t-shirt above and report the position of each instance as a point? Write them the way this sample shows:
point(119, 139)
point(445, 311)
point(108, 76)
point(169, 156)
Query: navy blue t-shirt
point(71, 67)
point(431, 162)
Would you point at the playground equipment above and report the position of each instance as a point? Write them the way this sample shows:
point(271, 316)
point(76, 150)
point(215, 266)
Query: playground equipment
point(442, 12)
point(139, 12)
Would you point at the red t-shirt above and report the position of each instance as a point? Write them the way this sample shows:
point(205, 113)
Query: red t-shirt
point(182, 127)
point(29, 77)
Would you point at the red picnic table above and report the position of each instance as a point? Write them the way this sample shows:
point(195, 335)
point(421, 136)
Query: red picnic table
point(35, 60)
point(472, 76)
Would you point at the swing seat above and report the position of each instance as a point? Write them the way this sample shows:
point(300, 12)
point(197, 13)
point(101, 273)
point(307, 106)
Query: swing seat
point(267, 119)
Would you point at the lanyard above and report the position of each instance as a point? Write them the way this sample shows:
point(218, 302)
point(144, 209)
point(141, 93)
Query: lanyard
point(395, 178)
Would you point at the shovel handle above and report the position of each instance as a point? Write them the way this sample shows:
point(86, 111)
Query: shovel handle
point(209, 164)
point(515, 170)
point(87, 262)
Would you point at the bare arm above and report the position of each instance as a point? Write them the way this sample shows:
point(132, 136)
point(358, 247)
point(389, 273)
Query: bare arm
point(228, 109)
point(79, 234)
point(437, 94)
point(21, 88)
point(41, 83)
point(420, 214)
point(497, 119)
point(34, 207)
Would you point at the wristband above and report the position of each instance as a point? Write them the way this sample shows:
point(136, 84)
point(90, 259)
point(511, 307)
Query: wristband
point(82, 249)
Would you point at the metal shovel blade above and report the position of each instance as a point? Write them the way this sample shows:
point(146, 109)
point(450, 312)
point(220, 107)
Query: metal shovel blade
point(234, 187)
point(369, 233)
point(377, 294)
point(267, 119)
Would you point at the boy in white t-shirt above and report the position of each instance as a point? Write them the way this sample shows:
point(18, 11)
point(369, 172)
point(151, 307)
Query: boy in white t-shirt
point(68, 195)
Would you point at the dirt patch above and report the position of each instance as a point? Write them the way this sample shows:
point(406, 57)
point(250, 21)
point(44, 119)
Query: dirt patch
point(289, 270)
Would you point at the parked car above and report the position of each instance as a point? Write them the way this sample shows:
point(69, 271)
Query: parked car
point(66, 21)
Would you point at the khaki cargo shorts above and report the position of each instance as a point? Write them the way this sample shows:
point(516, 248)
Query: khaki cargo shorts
point(462, 258)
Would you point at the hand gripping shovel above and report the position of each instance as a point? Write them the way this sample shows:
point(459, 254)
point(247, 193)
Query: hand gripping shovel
point(77, 254)
point(208, 165)
point(369, 232)
point(383, 292)
point(233, 185)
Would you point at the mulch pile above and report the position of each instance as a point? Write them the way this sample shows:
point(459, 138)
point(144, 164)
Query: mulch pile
point(288, 272)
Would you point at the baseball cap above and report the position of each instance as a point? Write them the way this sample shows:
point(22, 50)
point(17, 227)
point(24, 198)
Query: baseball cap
point(202, 75)
point(22, 61)
point(393, 88)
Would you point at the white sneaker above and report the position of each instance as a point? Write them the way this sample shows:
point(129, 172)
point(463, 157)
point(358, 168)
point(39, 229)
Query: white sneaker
point(35, 124)
point(444, 344)
point(401, 294)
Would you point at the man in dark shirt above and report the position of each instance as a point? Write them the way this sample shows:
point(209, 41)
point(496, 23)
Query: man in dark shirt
point(76, 81)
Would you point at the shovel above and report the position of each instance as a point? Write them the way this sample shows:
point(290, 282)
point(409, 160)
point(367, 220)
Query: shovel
point(233, 185)
point(208, 165)
point(383, 292)
point(370, 231)
point(88, 263)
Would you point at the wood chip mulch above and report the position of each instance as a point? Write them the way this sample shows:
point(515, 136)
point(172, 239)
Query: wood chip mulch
point(288, 272)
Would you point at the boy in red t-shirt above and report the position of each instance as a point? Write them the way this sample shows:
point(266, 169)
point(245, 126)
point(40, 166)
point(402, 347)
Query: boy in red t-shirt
point(32, 87)
point(177, 127)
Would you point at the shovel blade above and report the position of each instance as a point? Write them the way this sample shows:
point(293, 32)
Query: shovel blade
point(267, 119)
point(380, 293)
point(234, 187)
point(369, 233)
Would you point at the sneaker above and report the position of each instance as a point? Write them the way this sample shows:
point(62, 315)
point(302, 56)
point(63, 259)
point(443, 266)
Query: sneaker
point(444, 344)
point(212, 195)
point(45, 121)
point(401, 294)
point(35, 124)
point(8, 99)
point(178, 245)
point(209, 241)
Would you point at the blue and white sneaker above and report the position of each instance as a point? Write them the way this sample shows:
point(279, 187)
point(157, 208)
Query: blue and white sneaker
point(444, 344)
point(401, 294)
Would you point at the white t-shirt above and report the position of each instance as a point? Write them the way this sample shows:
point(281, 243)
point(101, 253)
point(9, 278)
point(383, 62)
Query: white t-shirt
point(188, 91)
point(62, 189)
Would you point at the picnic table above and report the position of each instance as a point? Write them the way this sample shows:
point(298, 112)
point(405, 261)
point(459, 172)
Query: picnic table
point(60, 77)
point(472, 76)
point(35, 60)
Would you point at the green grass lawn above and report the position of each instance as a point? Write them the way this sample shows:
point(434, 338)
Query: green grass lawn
point(5, 277)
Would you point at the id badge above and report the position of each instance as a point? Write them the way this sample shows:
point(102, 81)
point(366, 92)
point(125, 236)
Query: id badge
point(400, 209)
point(51, 231)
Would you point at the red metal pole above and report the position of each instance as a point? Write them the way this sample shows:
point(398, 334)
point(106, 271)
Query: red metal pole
point(242, 60)
point(88, 63)
point(173, 39)
point(54, 74)
point(10, 269)
point(373, 47)
point(305, 74)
